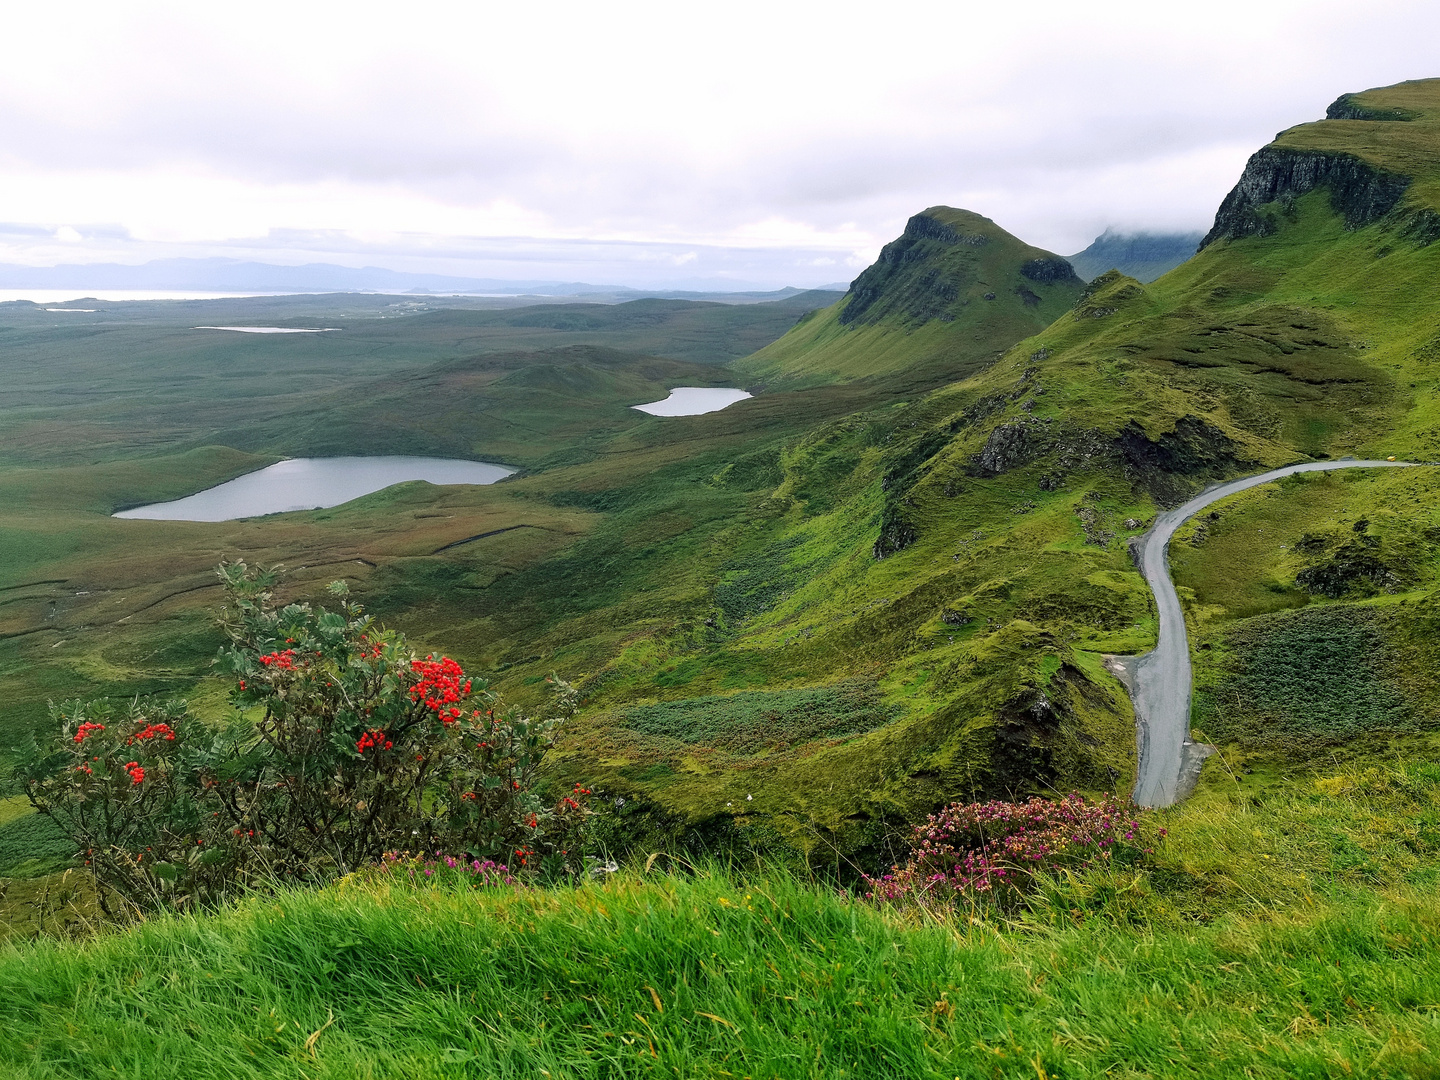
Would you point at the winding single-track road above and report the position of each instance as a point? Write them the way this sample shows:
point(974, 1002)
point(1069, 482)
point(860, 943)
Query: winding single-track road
point(1159, 681)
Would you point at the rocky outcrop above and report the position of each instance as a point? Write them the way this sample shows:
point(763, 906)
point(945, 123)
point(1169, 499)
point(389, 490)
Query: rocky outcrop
point(1348, 107)
point(1009, 445)
point(1040, 735)
point(1049, 270)
point(1026, 730)
point(1359, 192)
point(1167, 466)
point(1420, 226)
point(897, 532)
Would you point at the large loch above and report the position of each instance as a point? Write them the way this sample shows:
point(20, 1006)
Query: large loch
point(313, 484)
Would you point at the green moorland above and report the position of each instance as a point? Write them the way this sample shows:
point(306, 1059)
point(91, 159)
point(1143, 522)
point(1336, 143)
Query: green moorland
point(886, 582)
point(965, 548)
point(948, 561)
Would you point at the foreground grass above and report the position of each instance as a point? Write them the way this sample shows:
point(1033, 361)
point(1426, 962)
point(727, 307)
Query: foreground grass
point(702, 976)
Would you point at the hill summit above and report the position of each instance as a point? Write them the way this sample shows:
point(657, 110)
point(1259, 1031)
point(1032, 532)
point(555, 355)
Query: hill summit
point(943, 262)
point(947, 296)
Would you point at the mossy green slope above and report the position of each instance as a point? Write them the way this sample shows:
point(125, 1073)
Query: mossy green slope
point(966, 549)
point(946, 297)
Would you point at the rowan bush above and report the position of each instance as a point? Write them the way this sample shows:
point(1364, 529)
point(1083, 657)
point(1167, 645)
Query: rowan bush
point(343, 744)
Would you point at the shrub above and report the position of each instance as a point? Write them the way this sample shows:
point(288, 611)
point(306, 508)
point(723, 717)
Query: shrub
point(344, 745)
point(995, 850)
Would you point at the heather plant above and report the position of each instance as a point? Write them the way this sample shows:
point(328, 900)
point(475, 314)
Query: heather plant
point(344, 744)
point(442, 870)
point(995, 851)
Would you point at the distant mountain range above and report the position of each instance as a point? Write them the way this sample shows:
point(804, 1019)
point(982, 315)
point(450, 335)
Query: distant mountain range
point(1141, 255)
point(1144, 256)
point(234, 276)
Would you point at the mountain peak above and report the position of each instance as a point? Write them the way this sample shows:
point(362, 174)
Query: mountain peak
point(1142, 255)
point(945, 260)
point(948, 295)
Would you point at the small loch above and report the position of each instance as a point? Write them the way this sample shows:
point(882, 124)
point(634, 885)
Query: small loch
point(314, 484)
point(693, 400)
point(266, 329)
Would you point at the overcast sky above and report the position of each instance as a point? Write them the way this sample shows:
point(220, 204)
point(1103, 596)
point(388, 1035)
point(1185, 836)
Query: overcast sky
point(649, 144)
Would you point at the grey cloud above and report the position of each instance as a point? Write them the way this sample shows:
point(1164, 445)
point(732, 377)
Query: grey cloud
point(1144, 118)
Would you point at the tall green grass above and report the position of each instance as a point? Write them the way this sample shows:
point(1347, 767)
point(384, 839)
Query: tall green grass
point(702, 976)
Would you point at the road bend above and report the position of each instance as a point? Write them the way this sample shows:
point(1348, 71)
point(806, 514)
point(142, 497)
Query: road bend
point(1159, 681)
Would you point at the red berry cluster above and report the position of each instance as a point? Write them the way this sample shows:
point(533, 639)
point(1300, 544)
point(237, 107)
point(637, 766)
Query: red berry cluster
point(152, 731)
point(87, 728)
point(442, 683)
point(374, 738)
point(281, 661)
point(137, 774)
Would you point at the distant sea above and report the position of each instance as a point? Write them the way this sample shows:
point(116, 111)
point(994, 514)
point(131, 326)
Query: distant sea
point(62, 296)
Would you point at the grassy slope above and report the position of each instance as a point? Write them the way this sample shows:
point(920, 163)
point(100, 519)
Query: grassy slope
point(1283, 930)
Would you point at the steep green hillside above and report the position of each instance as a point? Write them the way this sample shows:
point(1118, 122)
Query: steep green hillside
point(948, 296)
point(966, 549)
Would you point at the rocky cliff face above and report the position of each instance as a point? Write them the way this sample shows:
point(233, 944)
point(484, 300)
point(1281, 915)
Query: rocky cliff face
point(1348, 107)
point(1358, 191)
point(1047, 270)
